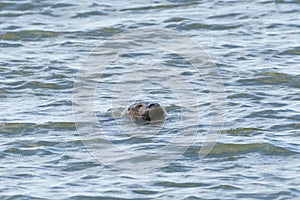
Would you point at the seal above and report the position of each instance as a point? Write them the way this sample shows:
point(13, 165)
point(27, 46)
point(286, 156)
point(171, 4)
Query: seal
point(146, 112)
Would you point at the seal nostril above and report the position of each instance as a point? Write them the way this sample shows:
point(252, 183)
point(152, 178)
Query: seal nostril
point(151, 104)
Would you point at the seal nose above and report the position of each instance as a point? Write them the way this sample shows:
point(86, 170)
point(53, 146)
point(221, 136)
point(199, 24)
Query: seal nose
point(152, 104)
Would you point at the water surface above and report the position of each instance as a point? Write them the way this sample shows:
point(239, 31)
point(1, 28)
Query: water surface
point(255, 46)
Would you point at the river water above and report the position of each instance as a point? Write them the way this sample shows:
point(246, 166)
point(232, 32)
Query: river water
point(69, 68)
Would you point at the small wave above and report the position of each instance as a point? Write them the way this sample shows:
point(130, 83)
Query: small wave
point(286, 127)
point(287, 1)
point(98, 197)
point(57, 103)
point(237, 149)
point(272, 78)
point(103, 32)
point(244, 96)
point(19, 196)
point(243, 131)
point(226, 187)
point(14, 128)
point(145, 192)
point(157, 7)
point(55, 85)
point(196, 26)
point(89, 14)
point(13, 45)
point(294, 52)
point(29, 151)
point(78, 166)
point(62, 5)
point(17, 6)
point(175, 19)
point(180, 185)
point(28, 35)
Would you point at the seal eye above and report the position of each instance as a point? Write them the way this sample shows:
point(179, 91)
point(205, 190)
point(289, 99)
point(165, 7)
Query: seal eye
point(139, 106)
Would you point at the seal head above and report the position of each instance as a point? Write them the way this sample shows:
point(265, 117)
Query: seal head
point(145, 111)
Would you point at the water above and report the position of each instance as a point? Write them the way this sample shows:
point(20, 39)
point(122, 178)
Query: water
point(255, 46)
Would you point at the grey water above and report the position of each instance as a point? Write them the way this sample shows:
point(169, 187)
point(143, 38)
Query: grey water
point(60, 134)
